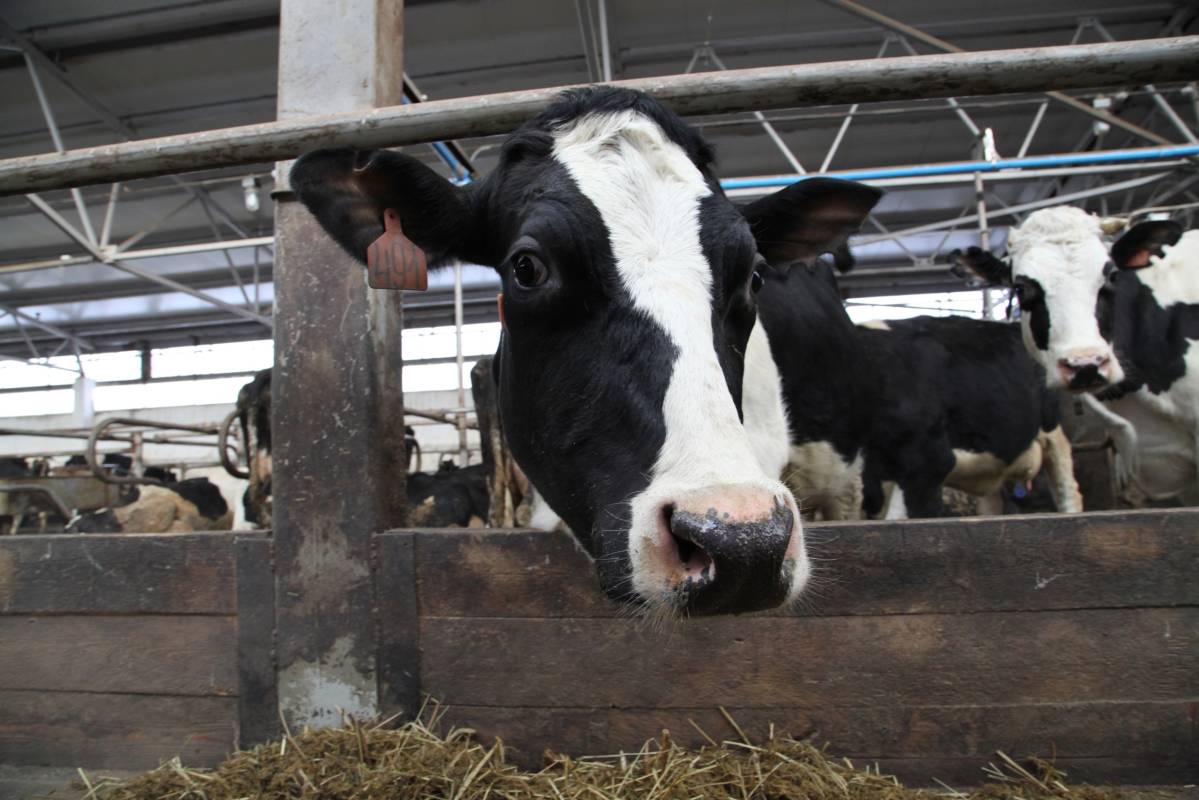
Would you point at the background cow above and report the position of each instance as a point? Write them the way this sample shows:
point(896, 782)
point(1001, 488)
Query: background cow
point(194, 504)
point(959, 403)
point(1122, 333)
point(450, 497)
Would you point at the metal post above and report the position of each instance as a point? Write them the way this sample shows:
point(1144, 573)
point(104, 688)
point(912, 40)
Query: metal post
point(604, 45)
point(463, 452)
point(337, 404)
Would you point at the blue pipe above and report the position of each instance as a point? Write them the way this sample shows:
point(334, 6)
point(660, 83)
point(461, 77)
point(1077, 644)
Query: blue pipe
point(965, 167)
point(461, 174)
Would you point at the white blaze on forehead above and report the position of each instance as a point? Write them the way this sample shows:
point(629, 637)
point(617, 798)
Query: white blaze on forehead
point(1061, 249)
point(648, 193)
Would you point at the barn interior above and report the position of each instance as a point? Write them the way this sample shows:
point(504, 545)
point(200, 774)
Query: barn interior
point(160, 290)
point(137, 317)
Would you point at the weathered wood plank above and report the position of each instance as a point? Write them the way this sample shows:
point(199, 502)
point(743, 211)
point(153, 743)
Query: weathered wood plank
point(1105, 560)
point(399, 627)
point(189, 655)
point(1159, 738)
point(117, 574)
point(258, 693)
point(118, 731)
point(764, 662)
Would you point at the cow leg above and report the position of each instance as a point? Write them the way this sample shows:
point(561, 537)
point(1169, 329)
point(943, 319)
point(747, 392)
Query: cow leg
point(897, 508)
point(990, 504)
point(1059, 467)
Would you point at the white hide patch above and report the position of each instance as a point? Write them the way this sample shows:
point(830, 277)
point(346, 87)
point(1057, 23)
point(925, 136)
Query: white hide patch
point(762, 405)
point(648, 193)
point(1174, 277)
point(823, 482)
point(1061, 248)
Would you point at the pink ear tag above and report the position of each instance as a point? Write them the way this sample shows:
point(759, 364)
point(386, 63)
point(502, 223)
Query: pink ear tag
point(393, 261)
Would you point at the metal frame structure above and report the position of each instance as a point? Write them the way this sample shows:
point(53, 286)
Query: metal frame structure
point(790, 87)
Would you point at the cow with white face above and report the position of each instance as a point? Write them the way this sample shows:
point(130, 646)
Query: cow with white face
point(636, 388)
point(1120, 329)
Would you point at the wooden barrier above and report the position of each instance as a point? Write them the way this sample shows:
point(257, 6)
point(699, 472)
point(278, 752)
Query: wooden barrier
point(923, 646)
point(120, 651)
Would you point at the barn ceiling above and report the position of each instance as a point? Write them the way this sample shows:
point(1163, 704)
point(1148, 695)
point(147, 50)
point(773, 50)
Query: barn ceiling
point(145, 68)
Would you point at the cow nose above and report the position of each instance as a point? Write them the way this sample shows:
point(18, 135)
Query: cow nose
point(1085, 371)
point(731, 549)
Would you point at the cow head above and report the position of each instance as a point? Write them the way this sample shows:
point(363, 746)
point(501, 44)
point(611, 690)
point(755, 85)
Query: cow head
point(628, 304)
point(1059, 267)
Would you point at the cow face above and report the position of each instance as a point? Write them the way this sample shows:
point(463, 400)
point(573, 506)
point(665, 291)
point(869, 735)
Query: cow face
point(1060, 272)
point(629, 310)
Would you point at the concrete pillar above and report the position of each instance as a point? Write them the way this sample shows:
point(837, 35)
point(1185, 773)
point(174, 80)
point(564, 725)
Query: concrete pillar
point(338, 423)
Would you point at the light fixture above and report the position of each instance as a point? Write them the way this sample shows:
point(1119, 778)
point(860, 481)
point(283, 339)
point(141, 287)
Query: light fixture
point(250, 185)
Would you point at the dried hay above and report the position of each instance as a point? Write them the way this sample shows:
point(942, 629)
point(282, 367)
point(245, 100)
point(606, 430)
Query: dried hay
point(356, 762)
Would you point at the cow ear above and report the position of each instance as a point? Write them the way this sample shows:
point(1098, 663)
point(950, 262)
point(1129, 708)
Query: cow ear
point(1133, 249)
point(348, 191)
point(975, 260)
point(797, 224)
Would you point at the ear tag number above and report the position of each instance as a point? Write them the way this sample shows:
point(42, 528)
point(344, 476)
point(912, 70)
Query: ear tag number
point(499, 304)
point(393, 261)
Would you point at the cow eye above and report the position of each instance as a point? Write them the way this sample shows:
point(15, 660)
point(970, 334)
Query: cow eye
point(529, 271)
point(755, 282)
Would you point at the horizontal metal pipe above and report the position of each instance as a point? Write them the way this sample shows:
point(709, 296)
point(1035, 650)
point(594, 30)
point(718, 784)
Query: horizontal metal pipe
point(1137, 154)
point(870, 80)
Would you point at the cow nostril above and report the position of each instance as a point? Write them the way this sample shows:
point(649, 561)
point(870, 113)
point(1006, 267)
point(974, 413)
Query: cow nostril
point(686, 550)
point(692, 557)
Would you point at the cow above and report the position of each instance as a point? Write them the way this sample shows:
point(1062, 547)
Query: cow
point(452, 497)
point(254, 414)
point(1120, 334)
point(446, 498)
point(194, 504)
point(635, 381)
point(899, 400)
point(959, 403)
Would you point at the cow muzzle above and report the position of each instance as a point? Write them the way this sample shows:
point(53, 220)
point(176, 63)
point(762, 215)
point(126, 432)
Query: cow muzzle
point(1085, 371)
point(729, 549)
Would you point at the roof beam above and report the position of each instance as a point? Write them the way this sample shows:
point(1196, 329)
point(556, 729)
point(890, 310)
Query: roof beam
point(940, 44)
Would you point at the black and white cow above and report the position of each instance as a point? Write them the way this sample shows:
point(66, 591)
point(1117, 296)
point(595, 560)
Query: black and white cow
point(959, 403)
point(636, 385)
point(195, 504)
point(254, 414)
point(1122, 333)
point(920, 404)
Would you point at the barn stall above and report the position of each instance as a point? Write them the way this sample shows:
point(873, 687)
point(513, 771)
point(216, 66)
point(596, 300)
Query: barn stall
point(924, 646)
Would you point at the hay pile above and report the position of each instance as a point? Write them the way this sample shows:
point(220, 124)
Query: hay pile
point(358, 762)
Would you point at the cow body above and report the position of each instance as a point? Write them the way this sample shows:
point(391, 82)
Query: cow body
point(826, 378)
point(960, 404)
point(254, 414)
point(1123, 334)
point(194, 504)
point(452, 497)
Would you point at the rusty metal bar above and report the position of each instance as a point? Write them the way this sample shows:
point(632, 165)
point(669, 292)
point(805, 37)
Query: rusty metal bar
point(1132, 63)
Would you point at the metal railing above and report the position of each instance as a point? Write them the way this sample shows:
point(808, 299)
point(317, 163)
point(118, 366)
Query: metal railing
point(871, 80)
